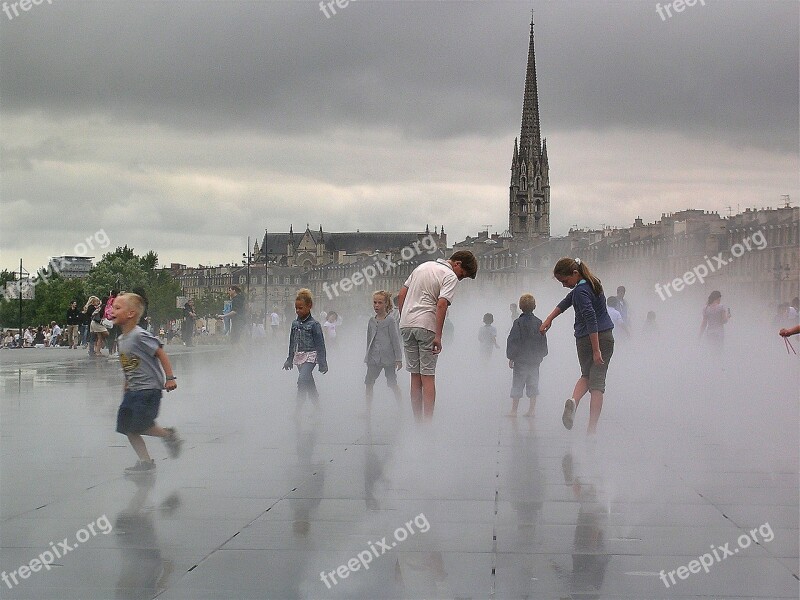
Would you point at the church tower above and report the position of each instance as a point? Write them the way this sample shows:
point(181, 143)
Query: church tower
point(529, 192)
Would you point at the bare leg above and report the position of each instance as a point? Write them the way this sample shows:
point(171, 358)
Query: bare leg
point(595, 407)
point(416, 396)
point(139, 446)
point(398, 396)
point(428, 396)
point(157, 431)
point(369, 394)
point(581, 387)
point(533, 405)
point(514, 407)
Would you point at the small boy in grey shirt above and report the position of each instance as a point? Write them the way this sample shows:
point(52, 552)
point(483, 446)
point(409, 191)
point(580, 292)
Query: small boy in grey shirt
point(147, 371)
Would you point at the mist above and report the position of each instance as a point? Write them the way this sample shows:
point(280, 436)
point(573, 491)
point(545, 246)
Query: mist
point(692, 449)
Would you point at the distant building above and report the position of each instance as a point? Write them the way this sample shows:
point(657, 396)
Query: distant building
point(72, 267)
point(664, 250)
point(311, 260)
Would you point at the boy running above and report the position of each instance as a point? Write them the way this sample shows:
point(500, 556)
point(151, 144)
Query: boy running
point(147, 371)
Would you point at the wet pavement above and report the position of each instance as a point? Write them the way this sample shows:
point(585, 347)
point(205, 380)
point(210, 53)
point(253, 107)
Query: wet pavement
point(270, 502)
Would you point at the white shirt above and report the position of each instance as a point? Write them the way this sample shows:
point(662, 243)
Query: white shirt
point(616, 316)
point(276, 320)
point(429, 282)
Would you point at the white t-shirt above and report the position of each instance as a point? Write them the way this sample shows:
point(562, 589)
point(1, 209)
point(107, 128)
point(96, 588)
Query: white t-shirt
point(616, 316)
point(429, 282)
point(56, 331)
point(276, 320)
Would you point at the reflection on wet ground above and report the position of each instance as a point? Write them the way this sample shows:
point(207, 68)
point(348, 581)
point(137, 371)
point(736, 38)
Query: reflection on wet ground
point(272, 502)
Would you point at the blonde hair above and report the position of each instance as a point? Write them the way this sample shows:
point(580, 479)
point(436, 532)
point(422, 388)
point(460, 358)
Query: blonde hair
point(305, 296)
point(566, 266)
point(134, 301)
point(527, 303)
point(387, 299)
point(90, 302)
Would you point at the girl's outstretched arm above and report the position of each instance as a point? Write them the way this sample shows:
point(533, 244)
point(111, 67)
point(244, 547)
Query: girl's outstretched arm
point(549, 320)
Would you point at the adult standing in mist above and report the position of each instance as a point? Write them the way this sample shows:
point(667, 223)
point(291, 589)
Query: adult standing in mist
point(593, 336)
point(715, 315)
point(623, 304)
point(189, 322)
point(236, 316)
point(423, 302)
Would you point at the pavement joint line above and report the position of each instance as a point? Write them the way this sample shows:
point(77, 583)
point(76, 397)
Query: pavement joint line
point(261, 514)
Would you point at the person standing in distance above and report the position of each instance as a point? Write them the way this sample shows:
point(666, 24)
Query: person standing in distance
point(236, 317)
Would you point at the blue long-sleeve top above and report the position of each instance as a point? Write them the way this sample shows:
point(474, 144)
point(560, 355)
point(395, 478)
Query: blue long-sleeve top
point(307, 336)
point(525, 345)
point(591, 315)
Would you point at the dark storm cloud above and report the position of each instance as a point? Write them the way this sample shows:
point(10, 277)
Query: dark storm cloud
point(727, 70)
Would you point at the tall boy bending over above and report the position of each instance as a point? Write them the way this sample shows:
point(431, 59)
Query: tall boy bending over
point(423, 303)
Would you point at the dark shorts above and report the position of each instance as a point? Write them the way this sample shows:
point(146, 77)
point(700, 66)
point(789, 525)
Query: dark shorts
point(138, 411)
point(596, 374)
point(374, 371)
point(525, 376)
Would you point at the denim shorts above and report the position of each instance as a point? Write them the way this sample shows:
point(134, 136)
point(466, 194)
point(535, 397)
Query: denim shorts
point(525, 376)
point(138, 411)
point(418, 347)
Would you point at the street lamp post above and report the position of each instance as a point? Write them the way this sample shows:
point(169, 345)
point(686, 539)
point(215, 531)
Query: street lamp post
point(246, 259)
point(266, 274)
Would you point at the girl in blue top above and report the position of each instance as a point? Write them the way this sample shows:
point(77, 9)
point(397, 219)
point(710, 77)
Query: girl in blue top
point(593, 336)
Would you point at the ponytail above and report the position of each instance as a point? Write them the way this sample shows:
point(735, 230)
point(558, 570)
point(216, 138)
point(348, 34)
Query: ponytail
point(566, 266)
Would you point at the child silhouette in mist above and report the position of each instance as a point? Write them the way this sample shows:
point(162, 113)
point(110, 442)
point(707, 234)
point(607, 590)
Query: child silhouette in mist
point(526, 347)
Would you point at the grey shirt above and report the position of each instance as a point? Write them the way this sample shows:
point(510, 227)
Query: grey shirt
point(137, 355)
point(384, 346)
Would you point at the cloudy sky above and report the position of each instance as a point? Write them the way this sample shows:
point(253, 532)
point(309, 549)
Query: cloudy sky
point(185, 126)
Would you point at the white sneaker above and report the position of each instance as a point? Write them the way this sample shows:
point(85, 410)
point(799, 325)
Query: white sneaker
point(569, 413)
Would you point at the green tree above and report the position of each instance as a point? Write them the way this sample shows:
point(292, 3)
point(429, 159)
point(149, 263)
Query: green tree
point(52, 296)
point(210, 303)
point(114, 272)
point(162, 289)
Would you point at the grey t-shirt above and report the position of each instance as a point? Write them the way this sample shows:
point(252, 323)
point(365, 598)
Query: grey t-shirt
point(137, 355)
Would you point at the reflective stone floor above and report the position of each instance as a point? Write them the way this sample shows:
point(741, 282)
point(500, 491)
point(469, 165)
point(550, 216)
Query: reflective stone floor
point(270, 502)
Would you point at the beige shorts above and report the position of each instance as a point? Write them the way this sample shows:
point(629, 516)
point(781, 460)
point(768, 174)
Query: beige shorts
point(418, 347)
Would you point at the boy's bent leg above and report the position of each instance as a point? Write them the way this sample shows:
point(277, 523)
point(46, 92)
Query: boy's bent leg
point(156, 431)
